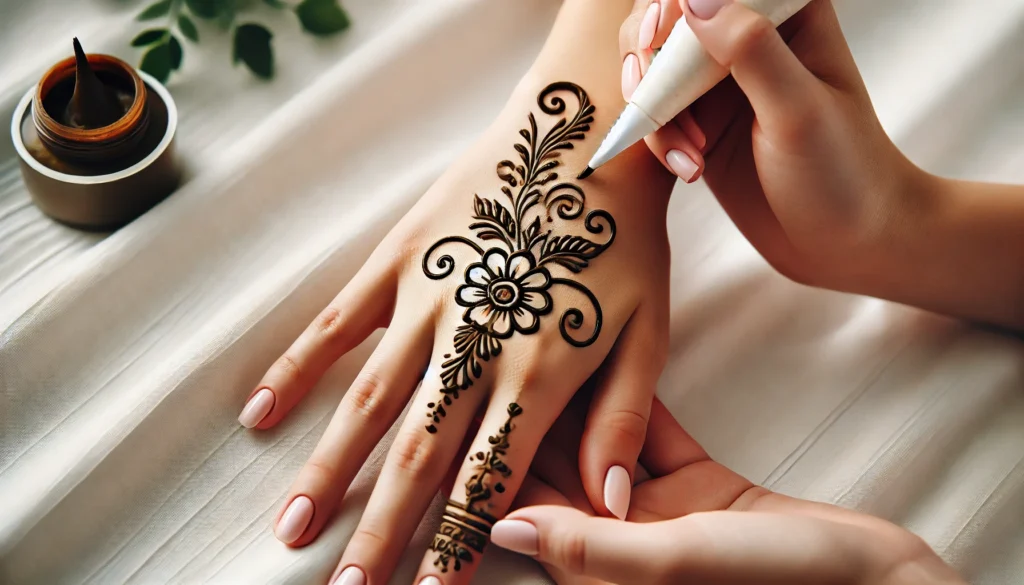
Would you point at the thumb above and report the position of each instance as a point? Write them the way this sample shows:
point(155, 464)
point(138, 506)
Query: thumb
point(617, 418)
point(603, 548)
point(780, 88)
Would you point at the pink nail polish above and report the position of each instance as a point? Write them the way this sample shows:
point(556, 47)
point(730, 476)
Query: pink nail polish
point(350, 576)
point(617, 488)
point(516, 535)
point(705, 9)
point(683, 166)
point(630, 75)
point(294, 520)
point(649, 26)
point(257, 408)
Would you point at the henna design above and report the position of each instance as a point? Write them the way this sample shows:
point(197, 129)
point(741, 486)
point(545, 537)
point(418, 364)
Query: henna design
point(466, 527)
point(506, 291)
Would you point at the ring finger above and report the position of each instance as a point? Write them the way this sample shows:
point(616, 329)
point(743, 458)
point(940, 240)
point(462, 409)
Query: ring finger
point(511, 431)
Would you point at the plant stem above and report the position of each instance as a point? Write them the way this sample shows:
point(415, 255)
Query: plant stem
point(175, 12)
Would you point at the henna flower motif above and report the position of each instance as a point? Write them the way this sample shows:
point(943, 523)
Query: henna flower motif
point(505, 294)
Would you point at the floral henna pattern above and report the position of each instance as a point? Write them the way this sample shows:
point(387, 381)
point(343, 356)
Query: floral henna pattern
point(507, 291)
point(466, 527)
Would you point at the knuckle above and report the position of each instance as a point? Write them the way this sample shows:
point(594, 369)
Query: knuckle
point(328, 324)
point(630, 29)
point(414, 453)
point(531, 367)
point(368, 537)
point(571, 550)
point(627, 424)
point(288, 367)
point(626, 38)
point(802, 132)
point(531, 377)
point(751, 37)
point(365, 395)
point(318, 472)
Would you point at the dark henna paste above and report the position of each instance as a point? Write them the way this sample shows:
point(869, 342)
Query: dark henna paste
point(506, 291)
point(466, 527)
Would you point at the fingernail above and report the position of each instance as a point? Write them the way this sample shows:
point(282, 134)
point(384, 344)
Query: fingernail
point(257, 408)
point(617, 488)
point(430, 581)
point(630, 76)
point(684, 168)
point(350, 576)
point(705, 9)
point(516, 535)
point(294, 520)
point(649, 26)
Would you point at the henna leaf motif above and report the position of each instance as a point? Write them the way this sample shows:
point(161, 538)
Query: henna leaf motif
point(572, 252)
point(457, 373)
point(531, 233)
point(496, 222)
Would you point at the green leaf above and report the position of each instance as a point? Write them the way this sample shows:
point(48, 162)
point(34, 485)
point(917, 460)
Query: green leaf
point(322, 17)
point(275, 4)
point(252, 47)
point(148, 37)
point(155, 10)
point(176, 53)
point(157, 62)
point(205, 8)
point(188, 28)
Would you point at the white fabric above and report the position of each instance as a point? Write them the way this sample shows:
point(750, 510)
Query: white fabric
point(125, 359)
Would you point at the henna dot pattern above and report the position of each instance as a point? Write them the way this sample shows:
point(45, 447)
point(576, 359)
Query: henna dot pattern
point(507, 290)
point(465, 528)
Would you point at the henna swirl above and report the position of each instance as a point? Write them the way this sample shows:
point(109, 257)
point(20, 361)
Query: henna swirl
point(573, 318)
point(446, 264)
point(568, 198)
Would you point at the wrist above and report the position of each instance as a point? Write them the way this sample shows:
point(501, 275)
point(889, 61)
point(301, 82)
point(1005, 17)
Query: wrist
point(907, 201)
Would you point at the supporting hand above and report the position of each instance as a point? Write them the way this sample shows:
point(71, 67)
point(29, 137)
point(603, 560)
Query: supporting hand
point(698, 522)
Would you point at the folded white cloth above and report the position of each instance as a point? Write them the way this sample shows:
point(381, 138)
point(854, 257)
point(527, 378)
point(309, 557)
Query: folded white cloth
point(125, 360)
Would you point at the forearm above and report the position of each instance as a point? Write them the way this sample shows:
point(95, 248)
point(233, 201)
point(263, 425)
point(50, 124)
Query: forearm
point(583, 43)
point(958, 251)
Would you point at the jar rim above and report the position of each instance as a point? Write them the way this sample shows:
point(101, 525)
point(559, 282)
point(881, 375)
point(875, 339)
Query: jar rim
point(23, 110)
point(100, 62)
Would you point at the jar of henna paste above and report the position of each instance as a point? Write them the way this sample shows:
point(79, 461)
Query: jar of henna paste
point(95, 138)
